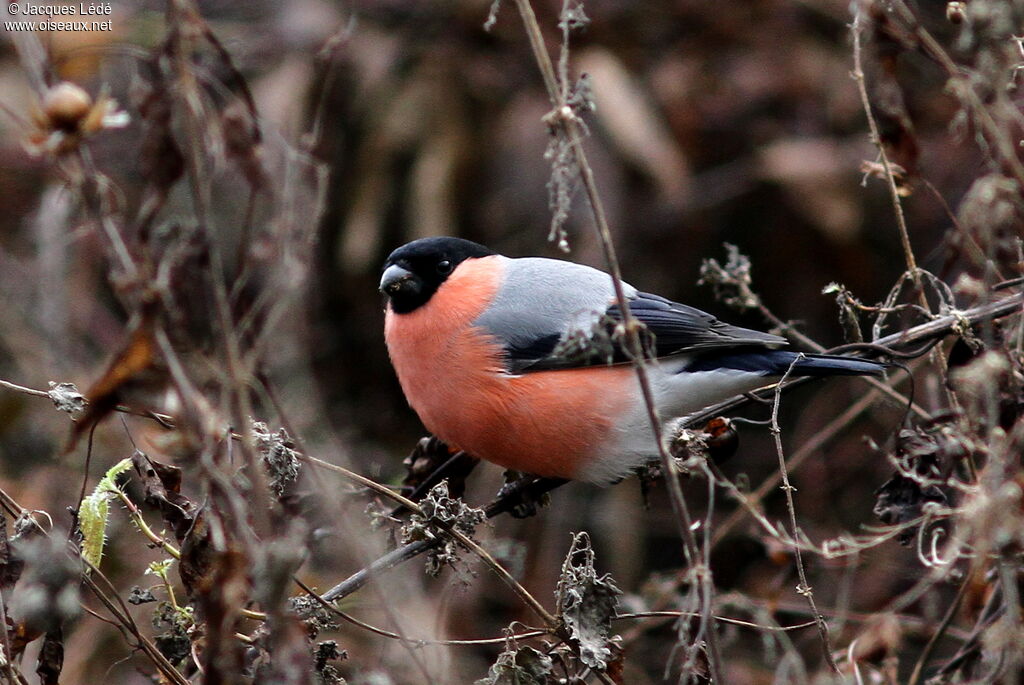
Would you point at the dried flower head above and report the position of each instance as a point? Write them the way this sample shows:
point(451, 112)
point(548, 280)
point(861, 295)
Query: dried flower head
point(67, 116)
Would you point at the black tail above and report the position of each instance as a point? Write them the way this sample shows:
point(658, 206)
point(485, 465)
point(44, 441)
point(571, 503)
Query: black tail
point(832, 365)
point(778, 362)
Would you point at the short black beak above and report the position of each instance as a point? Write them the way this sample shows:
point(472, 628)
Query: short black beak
point(395, 279)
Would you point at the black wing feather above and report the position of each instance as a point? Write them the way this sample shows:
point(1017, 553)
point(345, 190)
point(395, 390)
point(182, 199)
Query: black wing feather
point(676, 328)
point(680, 328)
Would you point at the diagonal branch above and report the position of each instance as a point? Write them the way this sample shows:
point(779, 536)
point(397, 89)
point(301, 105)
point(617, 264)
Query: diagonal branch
point(564, 118)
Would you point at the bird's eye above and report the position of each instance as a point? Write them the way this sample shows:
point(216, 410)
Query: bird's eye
point(444, 267)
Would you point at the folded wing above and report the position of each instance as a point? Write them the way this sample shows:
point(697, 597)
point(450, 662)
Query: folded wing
point(551, 314)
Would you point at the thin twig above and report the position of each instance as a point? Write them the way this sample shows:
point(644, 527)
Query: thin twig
point(947, 619)
point(901, 223)
point(912, 337)
point(858, 75)
point(565, 118)
point(115, 606)
point(806, 450)
point(22, 389)
point(960, 83)
point(323, 601)
point(805, 588)
point(458, 535)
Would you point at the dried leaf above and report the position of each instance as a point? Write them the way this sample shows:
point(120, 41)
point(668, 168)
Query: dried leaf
point(586, 603)
point(323, 654)
point(66, 397)
point(924, 457)
point(133, 368)
point(160, 158)
point(519, 666)
point(139, 596)
point(426, 458)
point(279, 457)
point(314, 615)
point(730, 282)
point(11, 565)
point(196, 566)
point(437, 506)
point(51, 658)
point(634, 125)
point(162, 483)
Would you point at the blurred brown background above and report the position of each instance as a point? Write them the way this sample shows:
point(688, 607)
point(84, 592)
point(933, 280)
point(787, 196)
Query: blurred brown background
point(718, 122)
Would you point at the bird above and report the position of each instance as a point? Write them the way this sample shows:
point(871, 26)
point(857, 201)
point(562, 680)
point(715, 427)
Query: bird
point(516, 361)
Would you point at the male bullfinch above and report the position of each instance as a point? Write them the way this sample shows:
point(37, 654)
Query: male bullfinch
point(509, 359)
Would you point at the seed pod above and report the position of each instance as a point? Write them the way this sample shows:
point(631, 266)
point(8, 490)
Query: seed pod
point(65, 106)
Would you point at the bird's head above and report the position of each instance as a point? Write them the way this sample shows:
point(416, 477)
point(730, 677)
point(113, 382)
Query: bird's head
point(414, 272)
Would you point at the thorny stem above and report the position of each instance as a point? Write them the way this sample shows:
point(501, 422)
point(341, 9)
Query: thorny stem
point(807, 449)
point(805, 588)
point(856, 30)
point(140, 522)
point(564, 117)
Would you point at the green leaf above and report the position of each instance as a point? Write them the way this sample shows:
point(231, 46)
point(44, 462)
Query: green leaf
point(95, 509)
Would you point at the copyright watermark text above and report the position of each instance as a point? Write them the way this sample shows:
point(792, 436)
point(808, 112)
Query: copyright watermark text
point(84, 16)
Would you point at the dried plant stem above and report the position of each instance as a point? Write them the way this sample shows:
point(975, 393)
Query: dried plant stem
point(858, 75)
point(140, 522)
point(908, 339)
point(805, 587)
point(122, 615)
point(459, 536)
point(22, 389)
point(183, 15)
point(914, 336)
point(998, 135)
point(856, 30)
point(814, 346)
point(947, 619)
point(566, 120)
point(12, 673)
point(807, 449)
point(328, 605)
point(936, 328)
point(97, 204)
point(112, 602)
point(388, 561)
